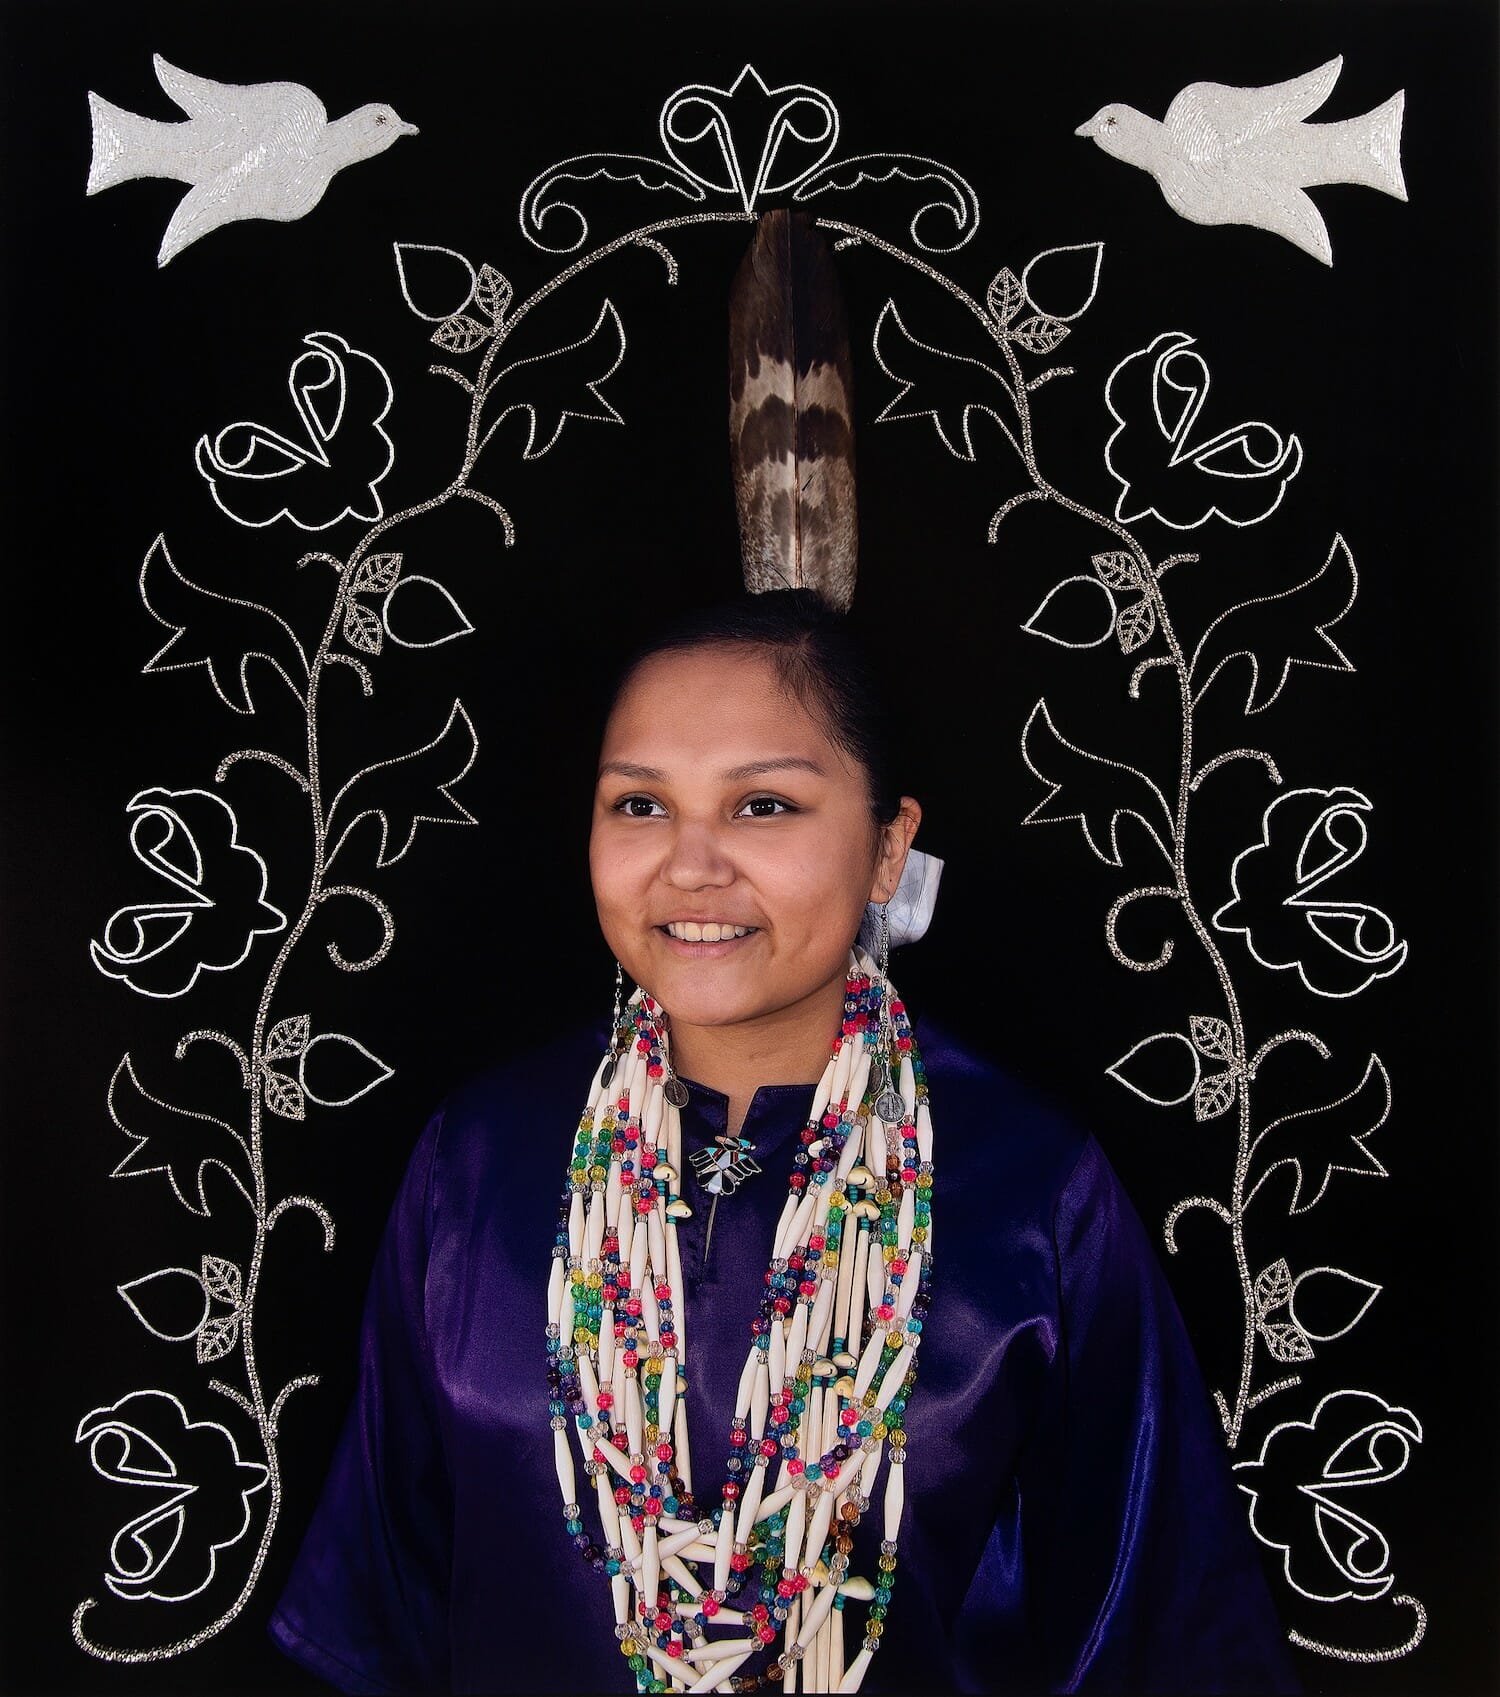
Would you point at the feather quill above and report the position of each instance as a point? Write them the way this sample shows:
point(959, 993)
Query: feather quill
point(791, 415)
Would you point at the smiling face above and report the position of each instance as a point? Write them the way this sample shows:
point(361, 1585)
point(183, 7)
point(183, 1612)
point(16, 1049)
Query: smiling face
point(734, 847)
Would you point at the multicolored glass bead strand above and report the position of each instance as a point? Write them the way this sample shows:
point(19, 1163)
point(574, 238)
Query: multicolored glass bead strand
point(700, 1593)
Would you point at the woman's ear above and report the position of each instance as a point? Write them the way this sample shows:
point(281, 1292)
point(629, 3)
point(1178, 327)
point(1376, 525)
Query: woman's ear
point(895, 840)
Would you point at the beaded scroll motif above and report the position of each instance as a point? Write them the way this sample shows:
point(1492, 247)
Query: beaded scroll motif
point(206, 1491)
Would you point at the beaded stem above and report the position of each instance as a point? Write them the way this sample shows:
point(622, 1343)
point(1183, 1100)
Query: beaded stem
point(768, 1561)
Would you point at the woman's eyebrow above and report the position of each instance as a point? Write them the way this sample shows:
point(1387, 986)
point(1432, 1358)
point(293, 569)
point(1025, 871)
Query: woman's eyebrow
point(786, 763)
point(736, 774)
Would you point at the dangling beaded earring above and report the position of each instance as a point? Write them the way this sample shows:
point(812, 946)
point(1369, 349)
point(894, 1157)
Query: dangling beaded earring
point(888, 1100)
point(612, 1059)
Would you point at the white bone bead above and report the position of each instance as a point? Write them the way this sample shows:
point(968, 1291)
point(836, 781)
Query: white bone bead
point(635, 1420)
point(772, 1504)
point(924, 1132)
point(760, 1397)
point(609, 1514)
point(593, 1226)
point(857, 1293)
point(666, 1396)
point(843, 1070)
point(905, 1216)
point(819, 1327)
point(718, 1676)
point(849, 1154)
point(908, 1085)
point(817, 1531)
point(606, 1344)
point(788, 1212)
point(777, 1353)
point(835, 1650)
point(873, 1459)
point(612, 1184)
point(680, 1445)
point(677, 1542)
point(810, 1432)
point(590, 1387)
point(684, 1575)
point(650, 1564)
point(656, 1241)
point(824, 1091)
point(673, 1670)
point(555, 1291)
point(705, 1653)
point(565, 1312)
point(649, 1311)
point(814, 1616)
point(629, 1542)
point(796, 1524)
point(868, 1362)
point(723, 1550)
point(793, 1615)
point(860, 1075)
point(855, 1672)
point(619, 1596)
point(562, 1455)
point(679, 1301)
point(640, 1242)
point(651, 1116)
point(746, 1384)
point(795, 1230)
point(875, 1273)
point(620, 1463)
point(894, 1375)
point(910, 1281)
point(797, 1337)
point(674, 1137)
point(749, 1506)
point(895, 1499)
point(627, 1230)
point(700, 1550)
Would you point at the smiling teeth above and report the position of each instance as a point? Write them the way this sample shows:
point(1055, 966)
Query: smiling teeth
point(686, 931)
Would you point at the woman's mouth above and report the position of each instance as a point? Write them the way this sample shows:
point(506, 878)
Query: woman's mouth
point(706, 937)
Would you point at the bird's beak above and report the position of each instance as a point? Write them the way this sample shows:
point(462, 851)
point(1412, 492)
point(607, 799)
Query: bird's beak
point(408, 130)
point(1085, 129)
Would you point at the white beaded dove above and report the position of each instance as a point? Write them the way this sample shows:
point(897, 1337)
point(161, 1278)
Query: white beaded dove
point(1244, 155)
point(249, 150)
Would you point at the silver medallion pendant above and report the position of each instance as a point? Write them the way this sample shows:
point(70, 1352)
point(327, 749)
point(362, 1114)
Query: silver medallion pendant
point(889, 1104)
point(675, 1091)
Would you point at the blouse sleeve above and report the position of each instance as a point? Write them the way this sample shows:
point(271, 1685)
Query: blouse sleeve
point(367, 1604)
point(1141, 1574)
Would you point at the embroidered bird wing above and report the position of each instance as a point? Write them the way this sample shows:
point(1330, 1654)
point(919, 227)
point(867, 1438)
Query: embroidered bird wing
point(248, 112)
point(1278, 205)
point(1209, 119)
point(250, 152)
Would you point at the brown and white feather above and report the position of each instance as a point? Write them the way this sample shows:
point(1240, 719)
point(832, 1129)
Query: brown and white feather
point(791, 414)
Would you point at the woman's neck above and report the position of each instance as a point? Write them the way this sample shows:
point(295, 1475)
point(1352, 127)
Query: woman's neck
point(788, 1047)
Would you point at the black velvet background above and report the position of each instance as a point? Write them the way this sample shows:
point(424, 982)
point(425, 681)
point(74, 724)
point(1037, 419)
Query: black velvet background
point(1384, 366)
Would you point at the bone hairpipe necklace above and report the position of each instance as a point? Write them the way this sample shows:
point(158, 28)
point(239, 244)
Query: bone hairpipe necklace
point(701, 1594)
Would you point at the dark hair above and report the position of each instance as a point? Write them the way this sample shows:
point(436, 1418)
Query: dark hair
point(819, 661)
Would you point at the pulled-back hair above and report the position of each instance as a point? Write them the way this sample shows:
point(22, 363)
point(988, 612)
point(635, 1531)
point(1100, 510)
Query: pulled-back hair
point(819, 661)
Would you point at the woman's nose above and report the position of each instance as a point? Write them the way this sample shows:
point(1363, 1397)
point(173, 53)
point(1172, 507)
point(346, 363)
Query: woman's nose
point(696, 858)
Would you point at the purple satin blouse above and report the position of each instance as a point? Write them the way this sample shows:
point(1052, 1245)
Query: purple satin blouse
point(1070, 1525)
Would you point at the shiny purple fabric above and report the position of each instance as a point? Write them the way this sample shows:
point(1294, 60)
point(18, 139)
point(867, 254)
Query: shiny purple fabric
point(1071, 1521)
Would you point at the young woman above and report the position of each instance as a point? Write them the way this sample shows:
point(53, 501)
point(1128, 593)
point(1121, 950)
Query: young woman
point(965, 1370)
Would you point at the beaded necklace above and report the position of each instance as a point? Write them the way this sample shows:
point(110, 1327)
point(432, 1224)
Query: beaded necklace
point(699, 1591)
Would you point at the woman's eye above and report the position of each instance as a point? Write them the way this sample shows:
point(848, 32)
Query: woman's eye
point(766, 807)
point(638, 807)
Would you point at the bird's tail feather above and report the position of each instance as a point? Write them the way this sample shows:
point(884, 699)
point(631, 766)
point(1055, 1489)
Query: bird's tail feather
point(127, 145)
point(791, 414)
point(1365, 150)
